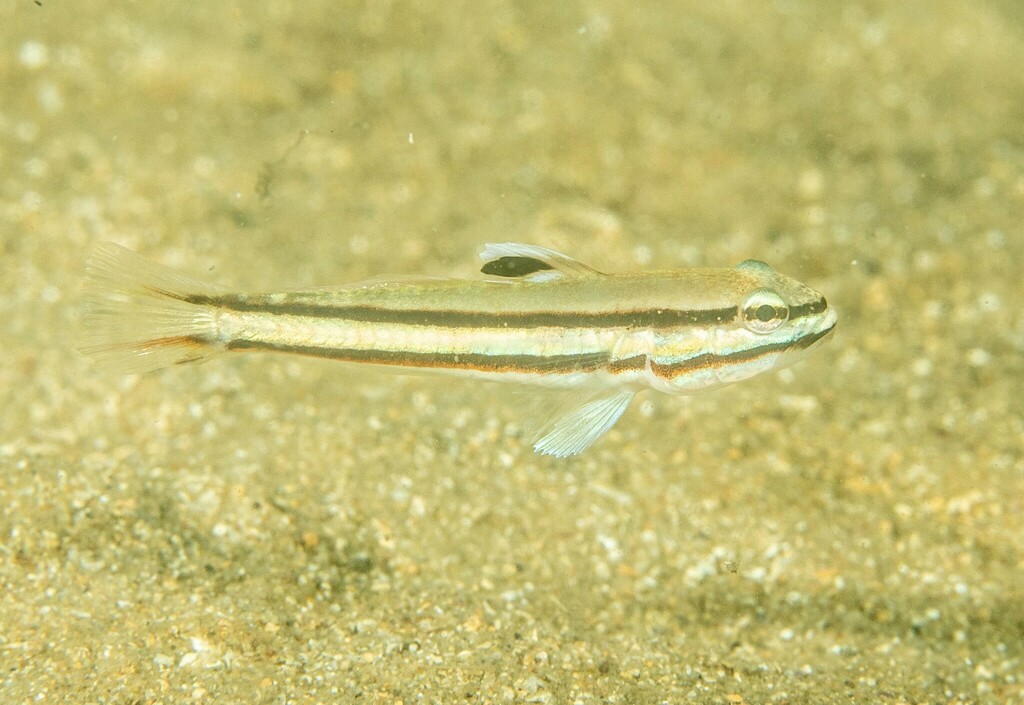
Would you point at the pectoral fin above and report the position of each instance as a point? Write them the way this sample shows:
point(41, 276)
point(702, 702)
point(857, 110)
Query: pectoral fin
point(513, 260)
point(576, 425)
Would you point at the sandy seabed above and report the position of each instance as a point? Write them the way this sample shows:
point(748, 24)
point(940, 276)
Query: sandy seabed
point(263, 529)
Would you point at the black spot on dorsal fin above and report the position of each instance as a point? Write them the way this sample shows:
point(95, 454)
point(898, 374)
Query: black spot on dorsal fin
point(538, 264)
point(511, 266)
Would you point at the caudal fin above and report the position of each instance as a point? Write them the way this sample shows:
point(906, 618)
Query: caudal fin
point(141, 316)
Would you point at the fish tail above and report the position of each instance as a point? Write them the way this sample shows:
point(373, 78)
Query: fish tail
point(141, 316)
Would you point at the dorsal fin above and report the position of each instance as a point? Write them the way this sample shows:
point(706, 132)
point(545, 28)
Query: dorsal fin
point(518, 261)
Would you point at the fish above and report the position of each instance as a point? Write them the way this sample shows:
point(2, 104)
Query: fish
point(534, 317)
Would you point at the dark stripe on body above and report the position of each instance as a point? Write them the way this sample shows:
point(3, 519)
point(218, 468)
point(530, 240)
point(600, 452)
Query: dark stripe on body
point(648, 318)
point(653, 318)
point(536, 364)
point(480, 362)
point(710, 360)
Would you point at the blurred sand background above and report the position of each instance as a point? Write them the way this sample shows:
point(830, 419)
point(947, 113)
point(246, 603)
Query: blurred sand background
point(275, 530)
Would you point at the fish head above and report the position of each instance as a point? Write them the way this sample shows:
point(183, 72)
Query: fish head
point(775, 321)
point(779, 319)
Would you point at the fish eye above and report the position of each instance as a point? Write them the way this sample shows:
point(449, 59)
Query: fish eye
point(764, 311)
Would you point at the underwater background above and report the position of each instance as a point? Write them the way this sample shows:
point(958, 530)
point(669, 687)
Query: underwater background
point(269, 529)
